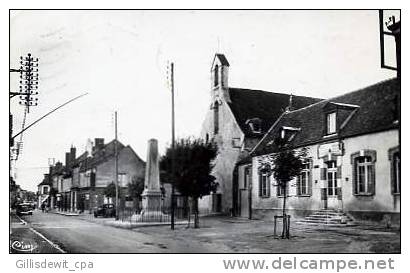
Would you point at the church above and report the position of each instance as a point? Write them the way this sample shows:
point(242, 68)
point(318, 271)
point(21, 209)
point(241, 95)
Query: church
point(236, 121)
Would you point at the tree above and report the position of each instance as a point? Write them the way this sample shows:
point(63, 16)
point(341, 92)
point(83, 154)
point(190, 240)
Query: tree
point(286, 165)
point(109, 191)
point(192, 168)
point(135, 188)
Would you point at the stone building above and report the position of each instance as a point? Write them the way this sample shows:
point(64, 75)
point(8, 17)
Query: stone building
point(80, 184)
point(95, 172)
point(353, 162)
point(236, 120)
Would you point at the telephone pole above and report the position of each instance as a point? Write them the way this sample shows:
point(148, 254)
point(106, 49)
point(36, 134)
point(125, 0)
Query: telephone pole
point(173, 151)
point(116, 169)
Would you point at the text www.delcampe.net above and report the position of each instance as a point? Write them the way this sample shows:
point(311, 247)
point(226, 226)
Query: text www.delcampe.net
point(310, 264)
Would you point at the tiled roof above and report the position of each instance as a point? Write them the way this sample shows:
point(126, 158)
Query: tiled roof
point(378, 110)
point(268, 106)
point(102, 155)
point(45, 181)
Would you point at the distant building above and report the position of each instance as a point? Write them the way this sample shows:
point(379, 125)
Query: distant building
point(81, 183)
point(236, 121)
point(43, 192)
point(353, 161)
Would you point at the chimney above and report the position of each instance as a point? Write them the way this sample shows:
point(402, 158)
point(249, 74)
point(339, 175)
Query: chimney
point(98, 144)
point(72, 154)
point(67, 159)
point(290, 106)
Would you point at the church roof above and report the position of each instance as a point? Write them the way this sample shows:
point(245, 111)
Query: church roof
point(222, 59)
point(372, 109)
point(248, 104)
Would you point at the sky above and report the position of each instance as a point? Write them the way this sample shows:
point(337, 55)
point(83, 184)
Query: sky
point(120, 59)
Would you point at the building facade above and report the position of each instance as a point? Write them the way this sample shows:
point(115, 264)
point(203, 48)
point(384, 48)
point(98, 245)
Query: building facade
point(352, 162)
point(81, 183)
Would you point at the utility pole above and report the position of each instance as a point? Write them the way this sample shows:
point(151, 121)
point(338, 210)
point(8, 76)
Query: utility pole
point(116, 169)
point(173, 152)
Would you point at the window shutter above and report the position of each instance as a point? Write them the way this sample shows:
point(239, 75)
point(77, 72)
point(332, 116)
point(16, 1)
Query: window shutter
point(339, 193)
point(298, 190)
point(354, 184)
point(278, 186)
point(323, 193)
point(268, 185)
point(323, 173)
point(372, 189)
point(260, 184)
point(310, 183)
point(339, 172)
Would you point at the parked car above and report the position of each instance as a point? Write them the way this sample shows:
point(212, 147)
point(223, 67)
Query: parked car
point(24, 209)
point(106, 210)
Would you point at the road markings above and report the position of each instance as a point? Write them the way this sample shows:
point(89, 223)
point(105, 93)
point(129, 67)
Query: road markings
point(42, 236)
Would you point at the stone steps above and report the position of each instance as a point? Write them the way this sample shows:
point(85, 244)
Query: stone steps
point(334, 218)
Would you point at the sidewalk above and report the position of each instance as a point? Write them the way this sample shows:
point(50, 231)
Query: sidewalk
point(65, 213)
point(250, 236)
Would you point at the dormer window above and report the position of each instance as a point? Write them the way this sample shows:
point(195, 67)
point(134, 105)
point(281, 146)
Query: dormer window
point(288, 133)
point(255, 124)
point(331, 123)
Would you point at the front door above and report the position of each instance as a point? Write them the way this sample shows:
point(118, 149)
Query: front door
point(244, 195)
point(332, 186)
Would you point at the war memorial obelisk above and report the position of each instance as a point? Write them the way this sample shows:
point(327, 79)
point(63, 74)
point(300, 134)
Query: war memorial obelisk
point(152, 195)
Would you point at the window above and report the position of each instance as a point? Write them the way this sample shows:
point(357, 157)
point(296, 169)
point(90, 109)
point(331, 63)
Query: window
point(288, 133)
point(247, 177)
point(331, 123)
point(280, 191)
point(363, 172)
point(216, 76)
point(45, 190)
point(364, 175)
point(122, 179)
point(216, 118)
point(395, 170)
point(304, 182)
point(331, 178)
point(264, 185)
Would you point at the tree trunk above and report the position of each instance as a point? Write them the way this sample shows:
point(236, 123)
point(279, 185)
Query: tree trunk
point(196, 217)
point(189, 213)
point(284, 218)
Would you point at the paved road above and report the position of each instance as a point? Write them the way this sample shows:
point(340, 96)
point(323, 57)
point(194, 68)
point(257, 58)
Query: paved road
point(85, 234)
point(24, 239)
point(76, 235)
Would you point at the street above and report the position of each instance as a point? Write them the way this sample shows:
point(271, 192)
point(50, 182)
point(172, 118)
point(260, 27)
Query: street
point(84, 234)
point(75, 235)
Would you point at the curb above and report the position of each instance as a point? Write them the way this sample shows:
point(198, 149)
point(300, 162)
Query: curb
point(64, 214)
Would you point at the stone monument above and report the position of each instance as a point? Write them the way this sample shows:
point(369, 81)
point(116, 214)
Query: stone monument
point(152, 195)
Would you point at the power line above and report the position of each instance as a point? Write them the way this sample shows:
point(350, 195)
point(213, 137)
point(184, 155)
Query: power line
point(55, 109)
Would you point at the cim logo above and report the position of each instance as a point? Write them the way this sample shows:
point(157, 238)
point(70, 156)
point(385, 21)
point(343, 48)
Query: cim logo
point(23, 246)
